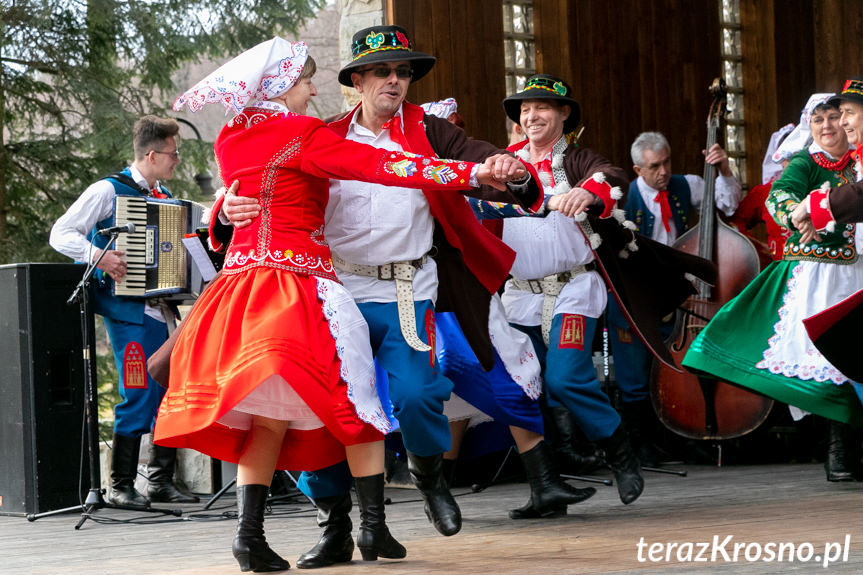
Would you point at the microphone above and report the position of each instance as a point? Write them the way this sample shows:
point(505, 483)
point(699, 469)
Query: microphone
point(127, 228)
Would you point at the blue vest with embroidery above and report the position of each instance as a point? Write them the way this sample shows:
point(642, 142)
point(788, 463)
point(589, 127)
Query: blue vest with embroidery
point(679, 199)
point(124, 308)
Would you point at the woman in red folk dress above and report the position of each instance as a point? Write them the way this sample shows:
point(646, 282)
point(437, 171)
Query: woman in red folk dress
point(273, 368)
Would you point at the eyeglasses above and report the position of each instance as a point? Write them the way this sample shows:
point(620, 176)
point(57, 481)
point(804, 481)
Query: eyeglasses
point(402, 72)
point(175, 154)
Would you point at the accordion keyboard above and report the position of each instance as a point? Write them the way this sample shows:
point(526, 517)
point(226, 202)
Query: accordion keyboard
point(134, 210)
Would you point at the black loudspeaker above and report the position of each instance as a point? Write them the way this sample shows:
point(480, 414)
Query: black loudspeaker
point(41, 389)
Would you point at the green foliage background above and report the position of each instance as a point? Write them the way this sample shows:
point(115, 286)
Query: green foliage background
point(74, 77)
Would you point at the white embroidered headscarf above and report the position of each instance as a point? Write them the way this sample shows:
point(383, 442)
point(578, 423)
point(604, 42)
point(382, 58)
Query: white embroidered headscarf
point(258, 74)
point(442, 109)
point(801, 136)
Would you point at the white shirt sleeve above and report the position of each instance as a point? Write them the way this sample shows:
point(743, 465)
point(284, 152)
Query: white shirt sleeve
point(726, 192)
point(69, 233)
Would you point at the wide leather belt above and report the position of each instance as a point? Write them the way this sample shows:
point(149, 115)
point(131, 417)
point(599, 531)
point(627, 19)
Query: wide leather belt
point(551, 286)
point(403, 274)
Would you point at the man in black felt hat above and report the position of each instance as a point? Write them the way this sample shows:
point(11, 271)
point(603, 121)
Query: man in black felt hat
point(565, 267)
point(557, 291)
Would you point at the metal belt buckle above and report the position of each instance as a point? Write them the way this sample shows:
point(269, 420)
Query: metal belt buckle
point(535, 286)
point(389, 267)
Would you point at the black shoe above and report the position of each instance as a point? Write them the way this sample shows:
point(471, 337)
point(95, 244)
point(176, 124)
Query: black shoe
point(528, 512)
point(123, 493)
point(624, 464)
point(440, 506)
point(374, 539)
point(124, 469)
point(336, 544)
point(250, 547)
point(160, 473)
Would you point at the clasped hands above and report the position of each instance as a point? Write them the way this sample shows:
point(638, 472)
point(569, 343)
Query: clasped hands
point(802, 221)
point(499, 169)
point(505, 168)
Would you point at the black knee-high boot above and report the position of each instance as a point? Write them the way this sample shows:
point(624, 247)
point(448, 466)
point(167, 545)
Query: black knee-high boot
point(160, 469)
point(548, 492)
point(440, 506)
point(374, 538)
point(336, 544)
point(843, 453)
point(124, 469)
point(624, 464)
point(570, 461)
point(250, 547)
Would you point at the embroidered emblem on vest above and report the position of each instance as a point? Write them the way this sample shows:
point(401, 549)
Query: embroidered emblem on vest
point(134, 367)
point(624, 335)
point(571, 332)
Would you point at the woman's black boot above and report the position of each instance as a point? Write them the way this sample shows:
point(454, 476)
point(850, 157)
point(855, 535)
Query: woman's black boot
point(250, 547)
point(374, 539)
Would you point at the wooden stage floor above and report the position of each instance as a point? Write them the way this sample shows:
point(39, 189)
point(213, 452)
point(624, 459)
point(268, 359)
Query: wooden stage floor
point(755, 508)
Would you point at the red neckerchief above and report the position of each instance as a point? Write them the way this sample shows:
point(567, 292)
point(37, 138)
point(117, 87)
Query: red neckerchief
point(544, 166)
point(486, 256)
point(394, 125)
point(662, 199)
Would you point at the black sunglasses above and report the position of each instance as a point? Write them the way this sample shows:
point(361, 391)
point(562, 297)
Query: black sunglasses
point(402, 72)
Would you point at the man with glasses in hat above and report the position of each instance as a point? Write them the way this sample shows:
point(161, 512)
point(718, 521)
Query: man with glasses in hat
point(135, 327)
point(382, 240)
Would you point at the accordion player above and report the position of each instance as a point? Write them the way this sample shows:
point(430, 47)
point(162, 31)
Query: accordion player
point(157, 262)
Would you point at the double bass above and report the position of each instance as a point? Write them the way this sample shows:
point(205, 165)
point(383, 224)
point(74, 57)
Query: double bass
point(692, 405)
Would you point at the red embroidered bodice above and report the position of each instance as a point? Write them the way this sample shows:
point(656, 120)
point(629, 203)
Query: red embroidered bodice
point(286, 161)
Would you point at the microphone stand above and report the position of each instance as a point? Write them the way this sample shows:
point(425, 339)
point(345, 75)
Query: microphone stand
point(95, 499)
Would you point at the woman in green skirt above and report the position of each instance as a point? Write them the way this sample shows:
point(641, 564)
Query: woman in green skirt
point(757, 340)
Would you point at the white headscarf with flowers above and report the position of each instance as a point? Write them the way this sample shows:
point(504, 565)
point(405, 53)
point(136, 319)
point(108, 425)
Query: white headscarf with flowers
point(258, 74)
